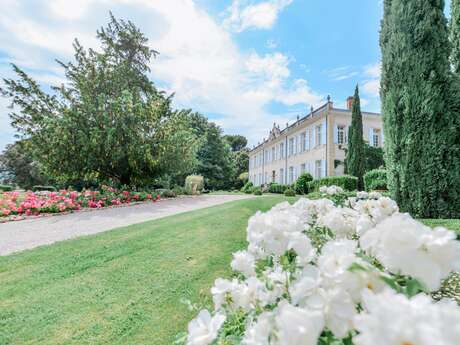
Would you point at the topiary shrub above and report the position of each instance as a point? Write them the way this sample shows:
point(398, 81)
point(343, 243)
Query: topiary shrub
point(347, 182)
point(289, 192)
point(43, 188)
point(244, 177)
point(277, 188)
point(301, 185)
point(5, 188)
point(257, 191)
point(248, 187)
point(375, 180)
point(168, 193)
point(179, 190)
point(194, 184)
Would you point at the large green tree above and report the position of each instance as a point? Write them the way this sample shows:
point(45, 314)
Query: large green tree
point(354, 160)
point(108, 121)
point(236, 142)
point(454, 34)
point(420, 119)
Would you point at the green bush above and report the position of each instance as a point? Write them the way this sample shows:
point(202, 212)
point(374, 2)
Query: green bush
point(301, 185)
point(375, 180)
point(257, 191)
point(179, 190)
point(248, 187)
point(43, 188)
point(194, 184)
point(244, 177)
point(289, 192)
point(277, 188)
point(348, 183)
point(5, 188)
point(166, 193)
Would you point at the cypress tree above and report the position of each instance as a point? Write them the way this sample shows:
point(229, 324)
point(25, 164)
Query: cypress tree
point(354, 160)
point(419, 123)
point(454, 34)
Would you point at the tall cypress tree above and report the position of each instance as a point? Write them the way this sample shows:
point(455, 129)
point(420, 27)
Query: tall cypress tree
point(419, 123)
point(354, 160)
point(454, 34)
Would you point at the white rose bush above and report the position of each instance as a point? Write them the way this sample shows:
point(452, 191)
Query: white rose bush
point(352, 273)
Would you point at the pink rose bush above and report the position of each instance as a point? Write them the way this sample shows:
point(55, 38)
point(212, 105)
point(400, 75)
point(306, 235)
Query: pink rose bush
point(36, 203)
point(324, 273)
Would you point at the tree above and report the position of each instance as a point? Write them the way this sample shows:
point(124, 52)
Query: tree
point(420, 122)
point(373, 157)
point(355, 154)
point(240, 162)
point(108, 121)
point(214, 159)
point(18, 167)
point(454, 34)
point(237, 142)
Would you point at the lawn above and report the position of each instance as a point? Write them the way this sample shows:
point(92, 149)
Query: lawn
point(124, 286)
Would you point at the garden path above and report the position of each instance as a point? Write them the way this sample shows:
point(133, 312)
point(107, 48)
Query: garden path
point(31, 233)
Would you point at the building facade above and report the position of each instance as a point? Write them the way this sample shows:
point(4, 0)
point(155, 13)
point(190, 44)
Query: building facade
point(315, 143)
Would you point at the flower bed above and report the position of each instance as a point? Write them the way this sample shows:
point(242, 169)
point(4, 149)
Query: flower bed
point(36, 203)
point(318, 272)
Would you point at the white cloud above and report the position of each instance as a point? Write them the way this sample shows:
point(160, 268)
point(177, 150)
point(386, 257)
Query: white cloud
point(272, 44)
point(198, 59)
point(263, 15)
point(341, 73)
point(371, 85)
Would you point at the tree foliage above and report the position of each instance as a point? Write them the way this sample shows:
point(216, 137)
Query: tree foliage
point(420, 110)
point(373, 157)
point(454, 34)
point(17, 166)
point(236, 142)
point(108, 121)
point(355, 162)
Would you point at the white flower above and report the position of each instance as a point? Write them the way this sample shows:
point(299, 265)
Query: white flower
point(220, 291)
point(375, 195)
point(243, 262)
point(297, 326)
point(301, 244)
point(342, 221)
point(331, 190)
point(337, 307)
point(306, 285)
point(204, 329)
point(362, 195)
point(363, 224)
point(406, 246)
point(393, 319)
point(259, 332)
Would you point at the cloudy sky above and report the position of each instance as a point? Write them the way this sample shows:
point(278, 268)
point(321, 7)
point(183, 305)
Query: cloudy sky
point(243, 63)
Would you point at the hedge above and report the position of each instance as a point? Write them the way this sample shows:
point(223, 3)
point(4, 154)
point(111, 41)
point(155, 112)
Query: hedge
point(44, 189)
point(5, 188)
point(375, 180)
point(301, 185)
point(289, 192)
point(277, 188)
point(347, 182)
point(248, 187)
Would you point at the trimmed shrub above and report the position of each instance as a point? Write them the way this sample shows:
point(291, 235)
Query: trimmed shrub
point(43, 188)
point(244, 177)
point(289, 192)
point(5, 188)
point(248, 187)
point(179, 190)
point(348, 183)
point(257, 191)
point(301, 185)
point(277, 188)
point(167, 193)
point(194, 184)
point(375, 180)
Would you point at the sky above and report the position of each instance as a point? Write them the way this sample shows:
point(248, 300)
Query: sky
point(243, 63)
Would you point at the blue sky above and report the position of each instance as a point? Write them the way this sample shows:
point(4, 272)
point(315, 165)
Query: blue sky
point(243, 63)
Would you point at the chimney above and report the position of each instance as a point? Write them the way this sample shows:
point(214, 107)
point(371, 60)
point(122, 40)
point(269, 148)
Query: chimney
point(350, 102)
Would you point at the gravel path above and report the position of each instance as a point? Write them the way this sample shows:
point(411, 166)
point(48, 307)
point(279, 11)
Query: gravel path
point(27, 234)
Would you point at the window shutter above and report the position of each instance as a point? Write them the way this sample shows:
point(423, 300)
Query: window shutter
point(371, 136)
point(336, 134)
point(307, 140)
point(323, 168)
point(313, 138)
point(295, 145)
point(323, 133)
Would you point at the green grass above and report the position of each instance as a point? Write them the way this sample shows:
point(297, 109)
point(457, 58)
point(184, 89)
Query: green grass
point(451, 224)
point(124, 286)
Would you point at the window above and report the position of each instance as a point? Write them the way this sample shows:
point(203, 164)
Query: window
point(273, 154)
point(282, 150)
point(376, 138)
point(291, 174)
point(318, 135)
point(291, 147)
point(281, 176)
point(273, 176)
point(318, 172)
point(302, 168)
point(260, 179)
point(266, 178)
point(340, 135)
point(266, 157)
point(302, 142)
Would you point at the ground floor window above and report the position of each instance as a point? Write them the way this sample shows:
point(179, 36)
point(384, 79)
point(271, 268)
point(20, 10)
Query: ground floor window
point(291, 175)
point(281, 176)
point(318, 170)
point(273, 176)
point(302, 169)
